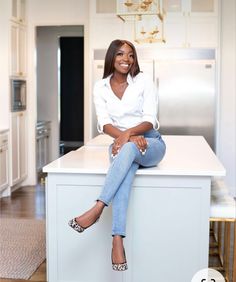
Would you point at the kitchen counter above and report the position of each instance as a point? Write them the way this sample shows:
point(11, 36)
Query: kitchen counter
point(185, 155)
point(168, 218)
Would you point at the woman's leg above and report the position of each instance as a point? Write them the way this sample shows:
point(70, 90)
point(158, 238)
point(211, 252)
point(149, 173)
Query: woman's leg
point(154, 153)
point(116, 173)
point(119, 212)
point(120, 202)
point(116, 183)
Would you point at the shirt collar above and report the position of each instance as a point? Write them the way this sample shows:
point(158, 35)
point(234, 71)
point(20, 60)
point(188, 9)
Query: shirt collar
point(106, 80)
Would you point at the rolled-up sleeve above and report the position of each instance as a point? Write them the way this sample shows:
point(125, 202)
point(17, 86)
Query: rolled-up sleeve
point(150, 103)
point(103, 117)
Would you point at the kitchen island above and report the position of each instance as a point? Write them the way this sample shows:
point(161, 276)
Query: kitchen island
point(168, 216)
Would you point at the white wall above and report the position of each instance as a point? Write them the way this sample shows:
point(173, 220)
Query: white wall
point(226, 148)
point(50, 13)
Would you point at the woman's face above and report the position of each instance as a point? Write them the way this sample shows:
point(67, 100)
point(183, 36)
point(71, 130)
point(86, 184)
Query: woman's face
point(124, 59)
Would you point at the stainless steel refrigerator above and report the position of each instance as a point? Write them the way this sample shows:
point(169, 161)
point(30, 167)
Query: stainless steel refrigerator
point(186, 85)
point(186, 95)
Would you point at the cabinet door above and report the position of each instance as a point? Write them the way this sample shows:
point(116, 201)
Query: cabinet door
point(22, 11)
point(18, 49)
point(202, 32)
point(14, 49)
point(3, 167)
point(22, 145)
point(172, 6)
point(14, 10)
point(22, 50)
point(175, 32)
point(18, 11)
point(18, 144)
point(15, 146)
point(190, 7)
point(203, 7)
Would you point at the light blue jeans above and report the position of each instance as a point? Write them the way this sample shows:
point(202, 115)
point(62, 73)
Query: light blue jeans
point(121, 173)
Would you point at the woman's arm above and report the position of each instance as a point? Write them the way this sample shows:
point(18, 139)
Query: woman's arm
point(140, 129)
point(111, 130)
point(131, 134)
point(133, 131)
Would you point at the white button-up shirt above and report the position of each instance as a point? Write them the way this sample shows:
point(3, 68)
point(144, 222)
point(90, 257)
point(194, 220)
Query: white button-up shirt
point(138, 103)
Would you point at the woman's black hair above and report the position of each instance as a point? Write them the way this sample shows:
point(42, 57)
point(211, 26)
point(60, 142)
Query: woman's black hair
point(111, 54)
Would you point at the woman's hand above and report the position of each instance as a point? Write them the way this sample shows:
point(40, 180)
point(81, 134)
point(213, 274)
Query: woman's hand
point(120, 141)
point(140, 142)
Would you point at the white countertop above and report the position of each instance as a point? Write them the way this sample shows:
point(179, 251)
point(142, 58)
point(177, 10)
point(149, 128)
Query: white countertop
point(185, 155)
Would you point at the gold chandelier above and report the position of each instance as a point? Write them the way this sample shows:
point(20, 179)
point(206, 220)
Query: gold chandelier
point(149, 29)
point(147, 16)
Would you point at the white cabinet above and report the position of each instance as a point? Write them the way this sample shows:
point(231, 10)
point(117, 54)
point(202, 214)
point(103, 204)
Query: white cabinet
point(191, 7)
point(18, 39)
point(18, 11)
point(4, 162)
point(18, 148)
point(191, 23)
point(18, 49)
point(43, 144)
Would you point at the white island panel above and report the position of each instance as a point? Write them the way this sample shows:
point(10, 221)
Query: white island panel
point(168, 216)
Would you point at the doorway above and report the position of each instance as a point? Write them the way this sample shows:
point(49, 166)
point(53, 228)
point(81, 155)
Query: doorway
point(65, 124)
point(71, 93)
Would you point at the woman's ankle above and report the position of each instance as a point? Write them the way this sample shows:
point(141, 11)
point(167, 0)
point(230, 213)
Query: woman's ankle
point(117, 240)
point(99, 206)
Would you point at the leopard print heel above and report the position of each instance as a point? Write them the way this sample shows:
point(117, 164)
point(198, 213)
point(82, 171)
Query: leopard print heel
point(73, 223)
point(119, 266)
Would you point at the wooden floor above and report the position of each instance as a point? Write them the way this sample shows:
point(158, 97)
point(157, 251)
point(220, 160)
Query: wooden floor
point(26, 202)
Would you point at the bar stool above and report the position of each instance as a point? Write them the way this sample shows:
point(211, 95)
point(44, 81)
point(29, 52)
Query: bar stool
point(223, 210)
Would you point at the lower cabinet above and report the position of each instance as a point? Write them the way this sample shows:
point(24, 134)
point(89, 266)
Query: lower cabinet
point(18, 148)
point(4, 162)
point(43, 144)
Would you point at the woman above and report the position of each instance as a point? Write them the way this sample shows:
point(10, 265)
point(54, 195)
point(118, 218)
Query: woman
point(125, 101)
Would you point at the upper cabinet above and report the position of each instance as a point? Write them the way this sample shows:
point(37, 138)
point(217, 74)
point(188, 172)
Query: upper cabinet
point(18, 11)
point(190, 7)
point(191, 23)
point(18, 50)
point(18, 39)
